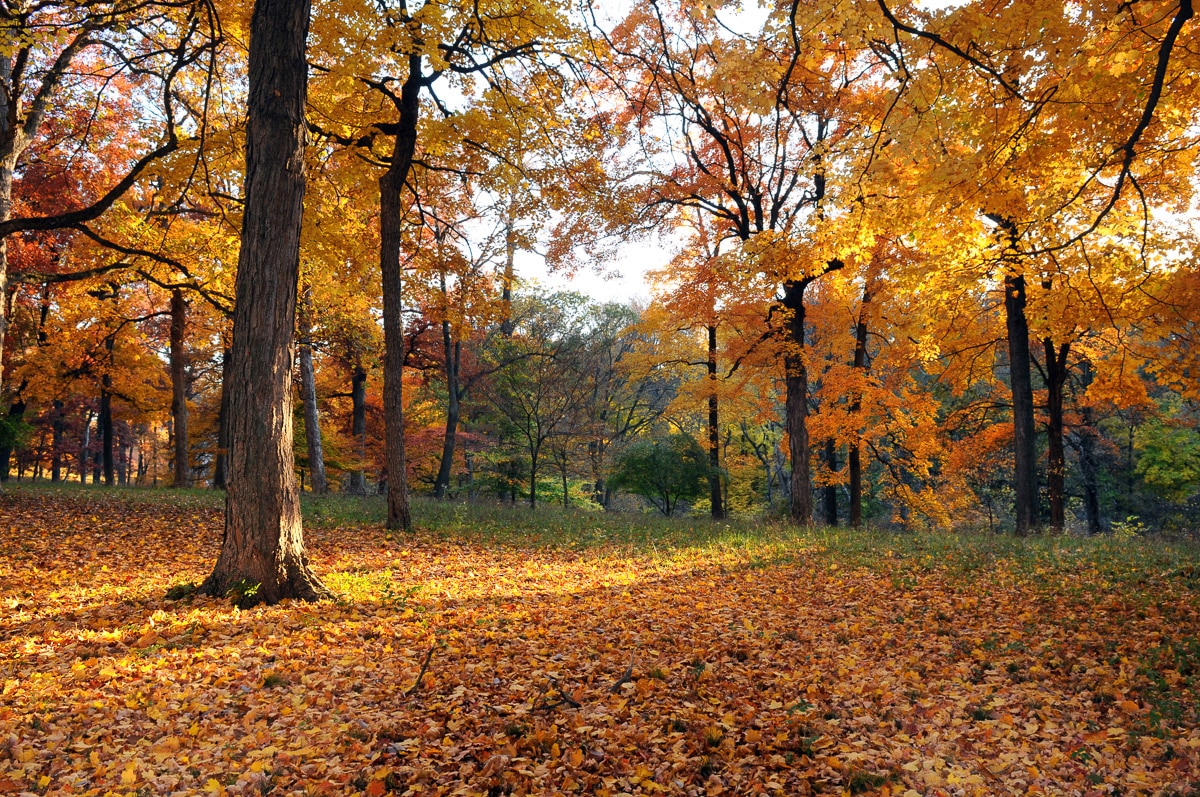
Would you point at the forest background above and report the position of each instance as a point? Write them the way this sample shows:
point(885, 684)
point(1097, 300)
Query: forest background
point(930, 267)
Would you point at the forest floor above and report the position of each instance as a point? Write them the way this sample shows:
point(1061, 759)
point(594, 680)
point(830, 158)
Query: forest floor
point(495, 652)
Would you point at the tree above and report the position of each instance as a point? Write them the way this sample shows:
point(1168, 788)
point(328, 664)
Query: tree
point(664, 471)
point(264, 543)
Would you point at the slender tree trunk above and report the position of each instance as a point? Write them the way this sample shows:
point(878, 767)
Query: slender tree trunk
point(830, 492)
point(506, 282)
point(308, 388)
point(84, 449)
point(179, 407)
point(106, 431)
point(1021, 383)
point(452, 352)
point(801, 505)
point(716, 497)
point(391, 186)
point(565, 485)
point(221, 461)
point(264, 540)
point(854, 460)
point(57, 425)
point(1056, 460)
point(1089, 469)
point(533, 469)
point(358, 427)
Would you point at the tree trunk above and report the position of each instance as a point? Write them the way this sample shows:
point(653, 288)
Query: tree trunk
point(830, 492)
point(1056, 460)
point(106, 431)
point(1089, 470)
point(84, 447)
point(15, 413)
point(801, 504)
point(308, 389)
point(854, 460)
point(58, 425)
point(391, 185)
point(358, 427)
point(179, 407)
point(566, 487)
point(506, 281)
point(533, 469)
point(1021, 383)
point(264, 540)
point(452, 351)
point(716, 497)
point(221, 461)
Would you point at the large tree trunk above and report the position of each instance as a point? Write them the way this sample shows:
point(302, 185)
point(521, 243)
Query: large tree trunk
point(358, 427)
point(801, 504)
point(1056, 460)
point(308, 390)
point(854, 460)
point(179, 407)
point(221, 461)
point(264, 541)
point(716, 497)
point(452, 353)
point(509, 276)
point(1021, 383)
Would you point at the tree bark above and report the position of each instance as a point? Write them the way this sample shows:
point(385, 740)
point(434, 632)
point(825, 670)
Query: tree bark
point(264, 542)
point(1089, 470)
point(801, 504)
point(716, 497)
point(221, 461)
point(106, 431)
point(391, 186)
point(1056, 460)
point(57, 425)
point(179, 407)
point(854, 460)
point(509, 276)
point(16, 412)
point(452, 352)
point(308, 390)
point(830, 492)
point(358, 427)
point(1021, 383)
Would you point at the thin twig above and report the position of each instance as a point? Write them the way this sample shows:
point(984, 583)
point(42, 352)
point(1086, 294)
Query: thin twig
point(624, 679)
point(424, 667)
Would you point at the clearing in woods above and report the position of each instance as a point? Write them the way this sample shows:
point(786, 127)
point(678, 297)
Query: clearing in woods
point(498, 652)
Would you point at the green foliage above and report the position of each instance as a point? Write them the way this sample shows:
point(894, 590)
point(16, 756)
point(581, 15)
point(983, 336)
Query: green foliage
point(14, 432)
point(1169, 459)
point(664, 471)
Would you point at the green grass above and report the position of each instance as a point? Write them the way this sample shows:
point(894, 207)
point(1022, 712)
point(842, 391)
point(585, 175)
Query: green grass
point(1106, 560)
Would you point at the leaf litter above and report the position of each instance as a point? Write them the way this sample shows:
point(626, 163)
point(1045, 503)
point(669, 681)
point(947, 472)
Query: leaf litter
point(450, 667)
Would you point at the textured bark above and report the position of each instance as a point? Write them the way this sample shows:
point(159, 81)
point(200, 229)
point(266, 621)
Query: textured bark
point(308, 390)
point(263, 543)
point(179, 407)
point(716, 497)
point(221, 461)
point(854, 460)
point(452, 352)
point(358, 427)
point(1056, 460)
point(509, 277)
point(801, 504)
point(391, 185)
point(1021, 384)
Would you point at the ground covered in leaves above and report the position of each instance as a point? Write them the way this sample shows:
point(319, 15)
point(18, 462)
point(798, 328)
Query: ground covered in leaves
point(739, 662)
